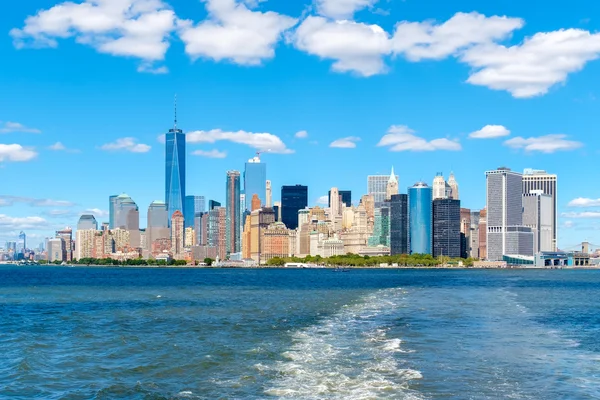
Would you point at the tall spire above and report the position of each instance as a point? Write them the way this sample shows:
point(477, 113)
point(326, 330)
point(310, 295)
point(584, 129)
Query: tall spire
point(175, 126)
point(393, 176)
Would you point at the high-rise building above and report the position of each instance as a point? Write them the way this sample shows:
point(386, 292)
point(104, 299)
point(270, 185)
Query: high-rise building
point(56, 249)
point(127, 216)
point(213, 204)
point(232, 207)
point(399, 224)
point(175, 169)
point(112, 209)
point(158, 223)
point(345, 195)
point(465, 232)
point(66, 235)
point(377, 187)
point(538, 214)
point(541, 180)
point(86, 222)
point(177, 234)
point(260, 219)
point(84, 243)
point(441, 188)
point(293, 198)
point(392, 186)
point(419, 218)
point(193, 205)
point(269, 200)
point(506, 235)
point(335, 202)
point(453, 186)
point(474, 234)
point(381, 227)
point(277, 209)
point(482, 234)
point(22, 243)
point(446, 228)
point(255, 203)
point(255, 181)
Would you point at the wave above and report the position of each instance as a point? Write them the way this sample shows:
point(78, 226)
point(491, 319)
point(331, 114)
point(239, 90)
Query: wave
point(347, 355)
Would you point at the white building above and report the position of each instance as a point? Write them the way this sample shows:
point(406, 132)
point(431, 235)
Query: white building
point(56, 249)
point(538, 215)
point(541, 180)
point(84, 243)
point(506, 234)
point(453, 184)
point(377, 187)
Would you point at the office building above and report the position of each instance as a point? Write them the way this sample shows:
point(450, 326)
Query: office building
point(213, 204)
point(112, 209)
point(67, 237)
point(453, 184)
point(538, 214)
point(269, 200)
point(446, 228)
point(157, 223)
point(506, 235)
point(377, 187)
point(345, 195)
point(87, 222)
point(392, 186)
point(293, 198)
point(399, 224)
point(177, 234)
point(232, 206)
point(441, 188)
point(381, 227)
point(275, 242)
point(419, 218)
point(21, 243)
point(541, 180)
point(193, 205)
point(56, 250)
point(335, 203)
point(84, 243)
point(255, 182)
point(175, 169)
point(474, 235)
point(465, 232)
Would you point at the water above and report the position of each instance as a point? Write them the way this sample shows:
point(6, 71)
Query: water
point(78, 333)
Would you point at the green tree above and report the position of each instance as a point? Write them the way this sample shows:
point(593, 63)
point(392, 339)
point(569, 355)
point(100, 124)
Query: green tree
point(208, 261)
point(276, 262)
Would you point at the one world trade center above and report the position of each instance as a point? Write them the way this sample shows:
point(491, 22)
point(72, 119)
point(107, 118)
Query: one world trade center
point(175, 170)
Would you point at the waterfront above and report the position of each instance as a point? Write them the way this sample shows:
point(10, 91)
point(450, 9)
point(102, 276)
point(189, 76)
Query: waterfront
point(245, 333)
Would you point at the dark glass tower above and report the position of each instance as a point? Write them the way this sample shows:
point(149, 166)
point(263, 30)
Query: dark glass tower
point(446, 228)
point(232, 213)
point(399, 224)
point(293, 198)
point(346, 196)
point(175, 170)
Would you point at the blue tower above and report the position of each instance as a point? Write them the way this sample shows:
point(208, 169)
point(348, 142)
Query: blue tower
point(419, 218)
point(175, 169)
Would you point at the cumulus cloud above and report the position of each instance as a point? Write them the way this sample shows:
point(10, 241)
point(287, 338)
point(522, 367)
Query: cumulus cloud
point(402, 138)
point(534, 66)
point(260, 141)
point(584, 202)
point(323, 200)
point(345, 143)
point(210, 154)
point(129, 28)
point(16, 153)
point(7, 200)
point(568, 224)
point(543, 144)
point(354, 47)
point(126, 144)
point(58, 146)
point(9, 127)
point(342, 9)
point(234, 32)
point(301, 135)
point(19, 223)
point(98, 213)
point(427, 40)
point(490, 132)
point(582, 215)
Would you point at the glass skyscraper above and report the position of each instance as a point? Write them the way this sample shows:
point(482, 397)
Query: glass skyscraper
point(175, 170)
point(255, 182)
point(22, 243)
point(87, 222)
point(446, 228)
point(112, 208)
point(399, 224)
point(232, 213)
point(293, 198)
point(419, 218)
point(193, 205)
point(346, 196)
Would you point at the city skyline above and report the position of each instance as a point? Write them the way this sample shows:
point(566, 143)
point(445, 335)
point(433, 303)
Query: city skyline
point(80, 132)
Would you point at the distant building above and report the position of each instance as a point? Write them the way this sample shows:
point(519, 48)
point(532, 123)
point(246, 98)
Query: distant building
point(193, 205)
point(269, 200)
point(127, 216)
point(22, 243)
point(84, 243)
point(232, 207)
point(87, 222)
point(377, 187)
point(399, 224)
point(392, 186)
point(474, 235)
point(453, 187)
point(275, 242)
point(177, 234)
point(419, 214)
point(335, 202)
point(255, 203)
point(446, 228)
point(157, 223)
point(538, 214)
point(483, 234)
point(255, 182)
point(381, 227)
point(213, 204)
point(175, 155)
point(346, 196)
point(293, 198)
point(541, 180)
point(56, 250)
point(67, 237)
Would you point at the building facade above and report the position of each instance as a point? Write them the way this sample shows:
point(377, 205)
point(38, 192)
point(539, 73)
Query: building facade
point(157, 225)
point(232, 207)
point(419, 217)
point(541, 180)
point(293, 198)
point(399, 224)
point(377, 187)
point(175, 170)
point(177, 235)
point(538, 214)
point(446, 228)
point(193, 205)
point(255, 182)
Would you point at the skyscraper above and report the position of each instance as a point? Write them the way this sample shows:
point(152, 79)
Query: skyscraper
point(392, 186)
point(453, 186)
point(213, 204)
point(293, 198)
point(534, 179)
point(269, 200)
point(177, 234)
point(22, 243)
point(158, 223)
point(193, 205)
point(538, 215)
point(66, 235)
point(419, 218)
point(506, 234)
point(346, 196)
point(175, 169)
point(112, 207)
point(255, 181)
point(377, 187)
point(446, 228)
point(86, 222)
point(399, 224)
point(441, 188)
point(127, 216)
point(232, 206)
point(335, 202)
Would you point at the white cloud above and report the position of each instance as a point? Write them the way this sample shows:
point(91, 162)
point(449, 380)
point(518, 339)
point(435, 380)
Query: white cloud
point(301, 135)
point(342, 9)
point(543, 144)
point(323, 200)
point(58, 146)
point(17, 127)
point(402, 138)
point(261, 141)
point(234, 32)
point(534, 66)
point(427, 40)
point(20, 223)
point(490, 132)
point(7, 200)
point(210, 154)
point(584, 202)
point(130, 28)
point(582, 215)
point(345, 143)
point(127, 144)
point(568, 224)
point(96, 212)
point(354, 47)
point(16, 153)
point(59, 213)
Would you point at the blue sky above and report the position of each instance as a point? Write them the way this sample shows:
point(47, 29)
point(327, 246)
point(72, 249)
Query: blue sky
point(87, 87)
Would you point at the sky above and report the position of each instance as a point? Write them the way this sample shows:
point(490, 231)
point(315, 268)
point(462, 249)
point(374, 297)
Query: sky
point(330, 91)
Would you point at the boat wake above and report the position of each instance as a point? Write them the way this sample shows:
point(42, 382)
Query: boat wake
point(348, 355)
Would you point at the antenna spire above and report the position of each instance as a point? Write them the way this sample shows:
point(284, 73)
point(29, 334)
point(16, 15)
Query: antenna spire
point(175, 111)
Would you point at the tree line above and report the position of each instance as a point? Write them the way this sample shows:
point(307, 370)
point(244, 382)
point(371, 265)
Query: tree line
point(355, 260)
